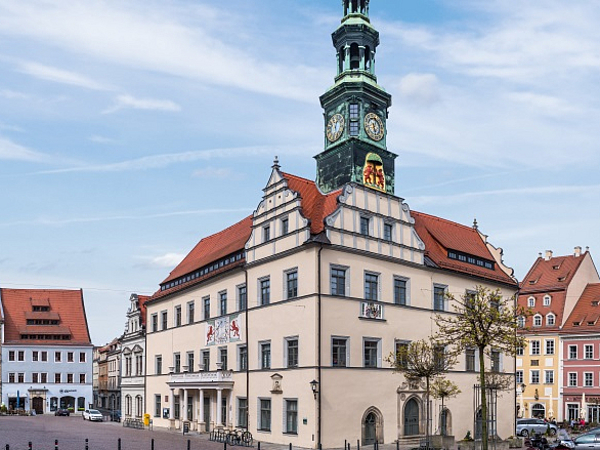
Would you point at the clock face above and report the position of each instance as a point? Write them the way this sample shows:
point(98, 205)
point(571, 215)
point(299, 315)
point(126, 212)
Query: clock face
point(335, 127)
point(374, 126)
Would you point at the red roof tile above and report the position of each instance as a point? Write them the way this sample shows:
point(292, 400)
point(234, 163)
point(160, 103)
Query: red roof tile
point(553, 274)
point(586, 311)
point(142, 299)
point(68, 304)
point(440, 235)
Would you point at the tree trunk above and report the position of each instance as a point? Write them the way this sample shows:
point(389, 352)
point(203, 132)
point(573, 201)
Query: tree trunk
point(484, 411)
point(427, 433)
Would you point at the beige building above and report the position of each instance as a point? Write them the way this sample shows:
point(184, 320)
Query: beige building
point(282, 323)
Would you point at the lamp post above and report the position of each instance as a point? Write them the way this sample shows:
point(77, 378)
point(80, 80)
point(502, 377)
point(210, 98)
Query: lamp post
point(314, 386)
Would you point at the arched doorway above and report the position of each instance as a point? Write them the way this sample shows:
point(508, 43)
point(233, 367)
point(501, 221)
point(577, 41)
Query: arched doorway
point(445, 422)
point(411, 418)
point(372, 427)
point(538, 410)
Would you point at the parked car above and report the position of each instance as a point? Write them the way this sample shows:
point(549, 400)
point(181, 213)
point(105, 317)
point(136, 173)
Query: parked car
point(62, 412)
point(590, 440)
point(528, 427)
point(115, 416)
point(93, 415)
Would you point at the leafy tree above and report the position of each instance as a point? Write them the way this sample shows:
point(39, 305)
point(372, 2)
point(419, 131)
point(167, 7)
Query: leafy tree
point(443, 389)
point(423, 359)
point(488, 323)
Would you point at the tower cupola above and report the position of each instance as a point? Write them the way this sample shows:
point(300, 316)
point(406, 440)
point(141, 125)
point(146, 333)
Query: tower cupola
point(356, 7)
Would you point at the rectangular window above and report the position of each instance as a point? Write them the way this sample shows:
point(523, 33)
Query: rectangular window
point(158, 364)
point(534, 348)
point(470, 360)
point(190, 312)
point(387, 231)
point(339, 350)
point(82, 357)
point(495, 360)
point(353, 110)
point(572, 378)
point(157, 405)
point(178, 316)
point(11, 377)
point(154, 322)
point(206, 360)
point(400, 351)
point(291, 283)
point(11, 355)
point(82, 378)
point(206, 303)
point(364, 226)
point(266, 233)
point(70, 378)
point(520, 350)
point(589, 351)
point(44, 377)
point(535, 377)
point(35, 377)
point(44, 356)
point(572, 352)
point(439, 297)
point(292, 352)
point(21, 377)
point(265, 415)
point(371, 286)
point(242, 297)
point(57, 356)
point(549, 376)
point(164, 317)
point(223, 302)
point(21, 355)
point(285, 225)
point(439, 355)
point(34, 356)
point(177, 362)
point(242, 421)
point(176, 407)
point(57, 377)
point(291, 416)
point(371, 350)
point(265, 355)
point(265, 291)
point(243, 357)
point(338, 281)
point(588, 378)
point(223, 357)
point(190, 361)
point(70, 357)
point(399, 291)
point(519, 377)
point(550, 347)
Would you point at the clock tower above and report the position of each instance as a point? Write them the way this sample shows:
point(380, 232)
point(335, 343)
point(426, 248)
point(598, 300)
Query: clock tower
point(355, 110)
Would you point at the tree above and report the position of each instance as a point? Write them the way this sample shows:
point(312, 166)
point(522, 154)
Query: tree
point(443, 389)
point(420, 360)
point(487, 322)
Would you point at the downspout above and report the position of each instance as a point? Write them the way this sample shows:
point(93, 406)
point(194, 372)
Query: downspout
point(319, 333)
point(247, 356)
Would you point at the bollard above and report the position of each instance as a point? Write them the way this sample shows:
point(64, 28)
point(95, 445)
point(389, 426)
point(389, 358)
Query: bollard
point(7, 447)
point(30, 445)
point(258, 445)
point(119, 444)
point(152, 444)
point(224, 445)
point(55, 444)
point(290, 446)
point(397, 444)
point(348, 445)
point(86, 444)
point(345, 444)
point(189, 444)
point(357, 444)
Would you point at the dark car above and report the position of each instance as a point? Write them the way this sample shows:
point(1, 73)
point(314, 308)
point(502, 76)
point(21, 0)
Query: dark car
point(529, 427)
point(62, 412)
point(115, 416)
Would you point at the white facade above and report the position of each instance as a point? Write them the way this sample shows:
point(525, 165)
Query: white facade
point(133, 362)
point(45, 377)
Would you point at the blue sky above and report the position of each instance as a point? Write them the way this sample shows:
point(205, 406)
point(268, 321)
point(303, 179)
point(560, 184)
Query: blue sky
point(131, 129)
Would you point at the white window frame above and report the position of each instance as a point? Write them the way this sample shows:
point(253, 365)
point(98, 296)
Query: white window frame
point(532, 344)
point(519, 376)
point(531, 302)
point(572, 379)
point(344, 338)
point(286, 341)
point(587, 347)
point(346, 270)
point(546, 373)
point(537, 320)
point(547, 300)
point(550, 319)
point(547, 342)
point(587, 375)
point(531, 373)
point(569, 348)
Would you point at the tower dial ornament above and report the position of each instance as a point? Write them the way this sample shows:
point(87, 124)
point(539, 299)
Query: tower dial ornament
point(335, 127)
point(374, 126)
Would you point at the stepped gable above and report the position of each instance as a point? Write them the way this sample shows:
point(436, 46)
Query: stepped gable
point(64, 306)
point(316, 206)
point(441, 236)
point(585, 315)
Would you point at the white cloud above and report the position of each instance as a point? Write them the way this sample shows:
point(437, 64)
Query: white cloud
point(213, 172)
point(57, 75)
point(148, 104)
point(545, 104)
point(168, 260)
point(12, 151)
point(12, 95)
point(421, 88)
point(101, 139)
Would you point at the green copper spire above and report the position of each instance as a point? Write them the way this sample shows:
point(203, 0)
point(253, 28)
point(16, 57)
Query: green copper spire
point(355, 110)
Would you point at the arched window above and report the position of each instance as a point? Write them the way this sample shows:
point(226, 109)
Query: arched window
point(128, 405)
point(521, 322)
point(538, 410)
point(537, 320)
point(354, 57)
point(531, 302)
point(550, 319)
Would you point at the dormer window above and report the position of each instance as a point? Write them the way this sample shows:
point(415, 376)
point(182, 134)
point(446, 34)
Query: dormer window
point(547, 300)
point(556, 267)
point(531, 302)
point(562, 278)
point(594, 303)
point(537, 320)
point(550, 320)
point(521, 322)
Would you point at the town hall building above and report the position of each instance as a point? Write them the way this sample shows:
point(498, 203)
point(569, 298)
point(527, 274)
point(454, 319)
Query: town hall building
point(281, 323)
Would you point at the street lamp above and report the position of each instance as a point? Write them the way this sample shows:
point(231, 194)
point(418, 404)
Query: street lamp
point(314, 385)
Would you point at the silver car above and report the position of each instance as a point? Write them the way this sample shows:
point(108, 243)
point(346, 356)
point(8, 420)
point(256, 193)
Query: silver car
point(529, 427)
point(587, 441)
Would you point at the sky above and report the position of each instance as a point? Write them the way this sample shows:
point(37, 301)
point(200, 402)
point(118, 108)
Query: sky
point(131, 129)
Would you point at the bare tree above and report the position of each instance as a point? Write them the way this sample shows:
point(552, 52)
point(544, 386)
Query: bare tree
point(487, 322)
point(424, 359)
point(442, 388)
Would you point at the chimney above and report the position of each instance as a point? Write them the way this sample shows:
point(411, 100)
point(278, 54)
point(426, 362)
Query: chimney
point(577, 253)
point(548, 256)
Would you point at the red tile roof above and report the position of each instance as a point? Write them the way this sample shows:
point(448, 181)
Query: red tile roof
point(67, 304)
point(441, 235)
point(552, 274)
point(142, 299)
point(586, 312)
